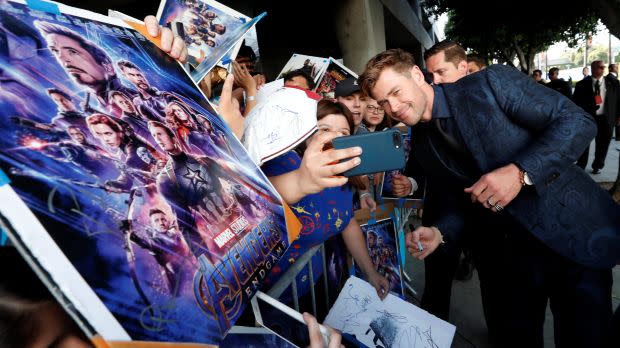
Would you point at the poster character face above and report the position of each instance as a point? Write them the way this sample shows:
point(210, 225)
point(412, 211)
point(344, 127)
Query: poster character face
point(219, 28)
point(371, 238)
point(123, 103)
point(144, 155)
point(159, 221)
point(179, 113)
point(136, 77)
point(162, 137)
point(107, 135)
point(76, 135)
point(62, 102)
point(76, 61)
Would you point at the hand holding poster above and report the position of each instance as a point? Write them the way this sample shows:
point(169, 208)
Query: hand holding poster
point(313, 66)
point(383, 249)
point(127, 188)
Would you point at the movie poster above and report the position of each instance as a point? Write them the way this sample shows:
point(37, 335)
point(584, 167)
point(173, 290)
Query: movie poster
point(383, 250)
point(204, 24)
point(334, 73)
point(386, 186)
point(136, 179)
point(313, 66)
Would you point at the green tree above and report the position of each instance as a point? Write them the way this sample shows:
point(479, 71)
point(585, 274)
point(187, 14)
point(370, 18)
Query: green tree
point(505, 30)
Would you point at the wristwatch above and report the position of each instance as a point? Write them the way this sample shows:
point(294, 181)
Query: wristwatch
point(524, 178)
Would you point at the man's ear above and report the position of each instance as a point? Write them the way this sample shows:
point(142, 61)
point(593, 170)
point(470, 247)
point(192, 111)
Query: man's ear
point(462, 67)
point(417, 75)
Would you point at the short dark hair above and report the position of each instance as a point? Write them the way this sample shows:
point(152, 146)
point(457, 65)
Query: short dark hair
point(298, 72)
point(553, 71)
point(246, 51)
point(398, 59)
point(454, 53)
point(51, 91)
point(476, 59)
point(537, 71)
point(126, 64)
point(98, 54)
point(154, 211)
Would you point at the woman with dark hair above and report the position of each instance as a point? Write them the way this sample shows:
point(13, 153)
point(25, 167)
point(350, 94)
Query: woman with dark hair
point(328, 213)
point(374, 116)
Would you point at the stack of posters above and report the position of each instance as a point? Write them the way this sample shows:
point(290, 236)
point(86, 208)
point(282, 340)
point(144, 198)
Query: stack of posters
point(393, 322)
point(334, 73)
point(132, 200)
point(381, 242)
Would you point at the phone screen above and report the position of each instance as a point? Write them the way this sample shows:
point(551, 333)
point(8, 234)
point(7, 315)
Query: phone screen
point(283, 325)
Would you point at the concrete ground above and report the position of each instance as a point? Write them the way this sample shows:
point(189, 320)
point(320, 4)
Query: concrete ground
point(466, 307)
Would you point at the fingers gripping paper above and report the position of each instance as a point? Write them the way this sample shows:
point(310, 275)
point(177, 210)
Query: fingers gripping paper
point(280, 123)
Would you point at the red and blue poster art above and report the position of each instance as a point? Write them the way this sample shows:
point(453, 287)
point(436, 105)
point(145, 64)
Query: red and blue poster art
point(135, 178)
point(383, 250)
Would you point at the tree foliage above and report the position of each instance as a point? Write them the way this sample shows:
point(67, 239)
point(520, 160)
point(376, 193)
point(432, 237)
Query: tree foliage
point(504, 30)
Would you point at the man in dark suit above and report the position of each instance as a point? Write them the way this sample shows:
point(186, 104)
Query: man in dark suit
point(600, 97)
point(498, 150)
point(613, 73)
point(558, 84)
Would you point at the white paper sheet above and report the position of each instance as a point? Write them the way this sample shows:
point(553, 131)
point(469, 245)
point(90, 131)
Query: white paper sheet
point(280, 123)
point(392, 322)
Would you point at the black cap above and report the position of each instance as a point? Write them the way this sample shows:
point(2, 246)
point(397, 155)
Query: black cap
point(347, 87)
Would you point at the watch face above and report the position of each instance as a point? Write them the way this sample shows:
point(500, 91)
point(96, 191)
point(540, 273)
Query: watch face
point(527, 179)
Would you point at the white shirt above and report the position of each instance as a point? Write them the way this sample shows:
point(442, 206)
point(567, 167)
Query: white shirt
point(601, 109)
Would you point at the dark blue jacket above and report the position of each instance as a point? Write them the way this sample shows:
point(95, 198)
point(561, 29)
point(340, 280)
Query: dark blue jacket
point(506, 117)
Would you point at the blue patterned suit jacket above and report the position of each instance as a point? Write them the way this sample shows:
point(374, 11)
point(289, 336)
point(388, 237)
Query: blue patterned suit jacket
point(506, 117)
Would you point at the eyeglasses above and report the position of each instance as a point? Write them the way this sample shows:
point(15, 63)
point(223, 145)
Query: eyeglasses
point(375, 109)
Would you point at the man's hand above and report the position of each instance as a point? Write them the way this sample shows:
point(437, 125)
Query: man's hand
point(174, 46)
point(380, 283)
point(319, 168)
point(366, 202)
point(401, 186)
point(497, 188)
point(428, 238)
point(229, 108)
point(316, 338)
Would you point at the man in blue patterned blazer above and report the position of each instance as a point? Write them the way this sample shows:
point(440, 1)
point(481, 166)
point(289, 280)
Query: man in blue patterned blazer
point(499, 151)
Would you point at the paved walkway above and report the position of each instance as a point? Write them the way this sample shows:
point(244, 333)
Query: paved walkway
point(610, 171)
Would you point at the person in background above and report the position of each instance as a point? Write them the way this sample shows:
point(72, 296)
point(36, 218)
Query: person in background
point(447, 61)
point(599, 96)
point(537, 75)
point(475, 63)
point(558, 84)
point(348, 93)
point(298, 78)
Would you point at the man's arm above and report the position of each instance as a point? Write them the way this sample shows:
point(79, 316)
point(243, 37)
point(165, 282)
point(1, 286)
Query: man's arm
point(562, 129)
